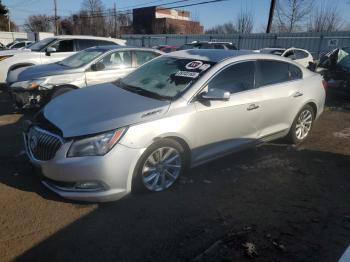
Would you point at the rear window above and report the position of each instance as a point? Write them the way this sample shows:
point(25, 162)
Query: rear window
point(274, 72)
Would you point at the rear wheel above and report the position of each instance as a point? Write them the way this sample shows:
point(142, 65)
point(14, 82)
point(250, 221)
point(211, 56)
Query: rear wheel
point(160, 166)
point(302, 125)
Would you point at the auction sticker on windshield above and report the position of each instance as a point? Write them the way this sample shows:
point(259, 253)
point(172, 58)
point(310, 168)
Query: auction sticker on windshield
point(194, 65)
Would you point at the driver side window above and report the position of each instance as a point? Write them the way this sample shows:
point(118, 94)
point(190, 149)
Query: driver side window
point(64, 46)
point(117, 60)
point(236, 78)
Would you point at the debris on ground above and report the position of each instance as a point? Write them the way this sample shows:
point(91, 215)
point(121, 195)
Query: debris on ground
point(250, 249)
point(278, 245)
point(206, 181)
point(345, 133)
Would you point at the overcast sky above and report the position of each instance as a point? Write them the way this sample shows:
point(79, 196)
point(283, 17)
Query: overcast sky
point(209, 14)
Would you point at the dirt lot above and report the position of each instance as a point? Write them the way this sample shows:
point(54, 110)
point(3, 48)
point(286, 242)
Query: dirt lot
point(291, 203)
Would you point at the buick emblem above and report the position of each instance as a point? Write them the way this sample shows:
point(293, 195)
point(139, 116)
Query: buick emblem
point(33, 142)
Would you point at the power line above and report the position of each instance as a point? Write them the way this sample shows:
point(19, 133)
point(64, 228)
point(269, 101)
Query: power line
point(108, 12)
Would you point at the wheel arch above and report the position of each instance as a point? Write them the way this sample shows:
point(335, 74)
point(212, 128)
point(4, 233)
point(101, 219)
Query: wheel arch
point(313, 105)
point(19, 65)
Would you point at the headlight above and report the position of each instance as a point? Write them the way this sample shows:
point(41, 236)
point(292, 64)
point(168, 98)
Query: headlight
point(5, 57)
point(97, 145)
point(33, 84)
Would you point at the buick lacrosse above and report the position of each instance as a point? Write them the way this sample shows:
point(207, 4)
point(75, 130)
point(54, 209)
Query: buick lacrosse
point(179, 110)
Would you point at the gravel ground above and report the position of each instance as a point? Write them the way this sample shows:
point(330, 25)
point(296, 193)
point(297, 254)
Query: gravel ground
point(272, 203)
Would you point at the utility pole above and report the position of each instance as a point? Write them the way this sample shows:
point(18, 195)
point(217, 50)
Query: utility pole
point(56, 19)
point(272, 10)
point(115, 20)
point(9, 20)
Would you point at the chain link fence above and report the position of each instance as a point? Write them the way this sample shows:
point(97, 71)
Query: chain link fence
point(315, 43)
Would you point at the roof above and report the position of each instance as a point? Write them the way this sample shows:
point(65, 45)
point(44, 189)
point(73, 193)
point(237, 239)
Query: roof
point(213, 55)
point(113, 47)
point(116, 40)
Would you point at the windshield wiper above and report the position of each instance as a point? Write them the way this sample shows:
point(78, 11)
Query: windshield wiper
point(141, 91)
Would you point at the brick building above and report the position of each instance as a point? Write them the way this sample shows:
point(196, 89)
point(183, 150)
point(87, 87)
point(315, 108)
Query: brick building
point(160, 20)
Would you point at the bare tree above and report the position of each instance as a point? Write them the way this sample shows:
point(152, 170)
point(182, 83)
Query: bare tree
point(325, 18)
point(39, 23)
point(93, 17)
point(291, 14)
point(245, 22)
point(227, 28)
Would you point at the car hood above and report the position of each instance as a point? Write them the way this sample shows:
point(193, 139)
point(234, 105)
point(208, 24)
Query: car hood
point(101, 108)
point(40, 71)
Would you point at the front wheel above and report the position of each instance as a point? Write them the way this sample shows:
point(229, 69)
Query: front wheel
point(160, 166)
point(302, 125)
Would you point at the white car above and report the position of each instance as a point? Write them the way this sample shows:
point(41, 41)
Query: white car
point(20, 44)
point(49, 50)
point(300, 56)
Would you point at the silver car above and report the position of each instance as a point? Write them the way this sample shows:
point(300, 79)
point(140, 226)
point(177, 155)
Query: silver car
point(179, 110)
point(36, 85)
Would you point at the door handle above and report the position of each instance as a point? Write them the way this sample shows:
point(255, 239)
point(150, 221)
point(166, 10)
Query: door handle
point(252, 107)
point(297, 94)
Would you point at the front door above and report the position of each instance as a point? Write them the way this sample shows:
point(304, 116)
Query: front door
point(222, 126)
point(64, 48)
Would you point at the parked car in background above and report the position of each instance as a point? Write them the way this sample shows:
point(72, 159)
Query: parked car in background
point(166, 48)
point(36, 85)
point(208, 45)
point(334, 66)
point(300, 56)
point(2, 46)
point(49, 50)
point(20, 44)
point(179, 110)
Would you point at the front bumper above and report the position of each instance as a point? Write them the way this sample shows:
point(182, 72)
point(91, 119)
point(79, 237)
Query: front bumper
point(114, 171)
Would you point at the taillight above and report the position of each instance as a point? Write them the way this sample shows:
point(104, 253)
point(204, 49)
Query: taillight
point(325, 84)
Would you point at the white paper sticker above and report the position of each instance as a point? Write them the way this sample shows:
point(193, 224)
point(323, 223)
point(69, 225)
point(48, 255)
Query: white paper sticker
point(204, 67)
point(187, 74)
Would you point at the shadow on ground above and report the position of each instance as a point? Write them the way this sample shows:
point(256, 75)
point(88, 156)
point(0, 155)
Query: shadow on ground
point(289, 203)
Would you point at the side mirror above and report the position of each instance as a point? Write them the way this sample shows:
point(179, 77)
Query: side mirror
point(215, 94)
point(50, 50)
point(98, 66)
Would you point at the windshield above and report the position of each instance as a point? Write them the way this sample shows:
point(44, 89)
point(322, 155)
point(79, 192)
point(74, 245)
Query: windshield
point(81, 58)
point(165, 77)
point(41, 44)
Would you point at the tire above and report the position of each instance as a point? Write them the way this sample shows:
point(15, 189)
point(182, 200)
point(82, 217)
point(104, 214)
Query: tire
point(296, 137)
point(164, 174)
point(60, 91)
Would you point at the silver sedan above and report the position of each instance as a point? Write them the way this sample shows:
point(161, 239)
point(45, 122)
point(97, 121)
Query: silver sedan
point(36, 85)
point(177, 111)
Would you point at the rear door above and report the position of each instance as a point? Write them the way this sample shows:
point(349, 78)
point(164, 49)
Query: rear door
point(281, 93)
point(115, 65)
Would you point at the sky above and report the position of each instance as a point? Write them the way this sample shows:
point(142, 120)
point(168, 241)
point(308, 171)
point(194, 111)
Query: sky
point(209, 14)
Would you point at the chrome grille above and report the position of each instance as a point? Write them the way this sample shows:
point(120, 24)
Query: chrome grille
point(42, 144)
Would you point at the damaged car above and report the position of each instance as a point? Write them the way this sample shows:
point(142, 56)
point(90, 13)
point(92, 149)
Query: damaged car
point(180, 110)
point(334, 66)
point(36, 85)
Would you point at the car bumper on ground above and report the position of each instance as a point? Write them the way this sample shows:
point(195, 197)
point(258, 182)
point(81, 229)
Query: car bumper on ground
point(108, 177)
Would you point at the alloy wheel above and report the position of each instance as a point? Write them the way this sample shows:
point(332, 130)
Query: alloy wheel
point(161, 168)
point(303, 125)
